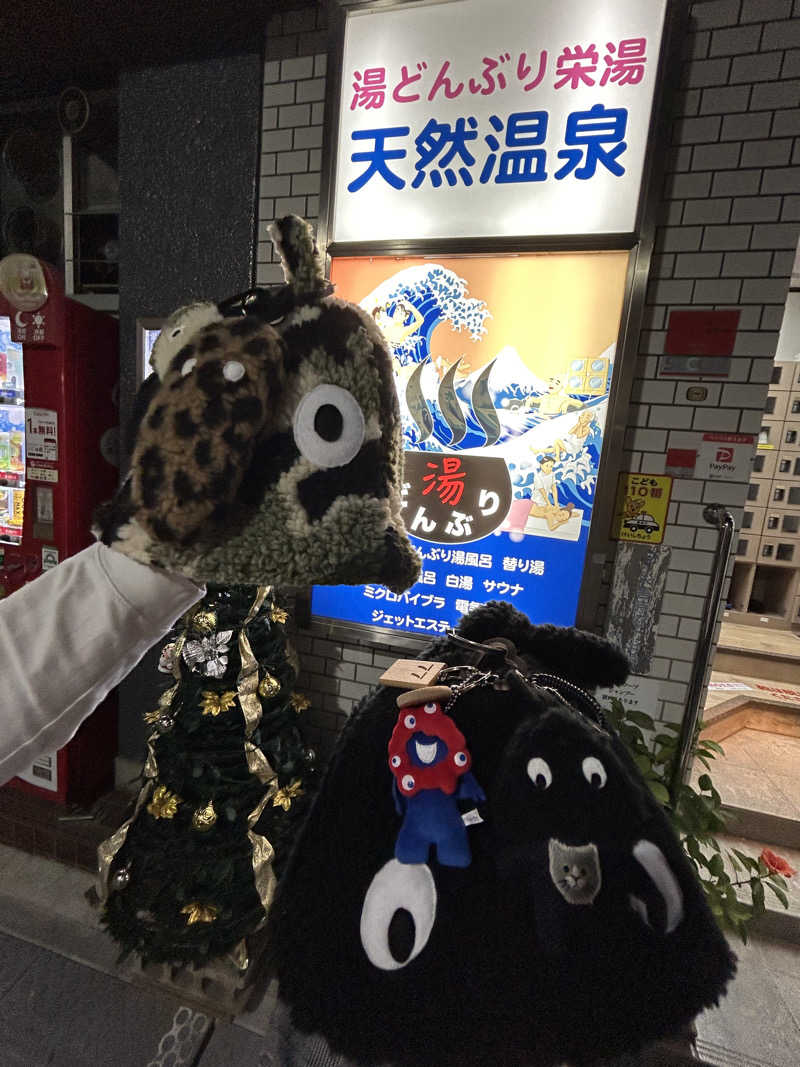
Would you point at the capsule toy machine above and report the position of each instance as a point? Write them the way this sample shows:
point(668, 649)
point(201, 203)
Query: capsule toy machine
point(59, 370)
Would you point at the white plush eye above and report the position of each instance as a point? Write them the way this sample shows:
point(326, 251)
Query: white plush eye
point(539, 773)
point(407, 782)
point(395, 761)
point(594, 772)
point(188, 366)
point(460, 758)
point(397, 887)
point(233, 371)
point(409, 722)
point(329, 426)
point(430, 708)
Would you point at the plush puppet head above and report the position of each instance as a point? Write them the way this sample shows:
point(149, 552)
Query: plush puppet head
point(427, 750)
point(269, 448)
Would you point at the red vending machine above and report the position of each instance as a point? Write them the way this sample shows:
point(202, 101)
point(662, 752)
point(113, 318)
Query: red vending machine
point(59, 370)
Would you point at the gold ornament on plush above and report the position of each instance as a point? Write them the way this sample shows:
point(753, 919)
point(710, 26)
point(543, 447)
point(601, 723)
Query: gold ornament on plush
point(277, 614)
point(204, 818)
point(205, 622)
point(269, 686)
point(199, 913)
point(300, 702)
point(164, 804)
point(284, 797)
point(216, 703)
point(153, 716)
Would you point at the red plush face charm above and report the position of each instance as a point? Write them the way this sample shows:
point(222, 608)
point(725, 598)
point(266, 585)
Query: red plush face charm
point(427, 751)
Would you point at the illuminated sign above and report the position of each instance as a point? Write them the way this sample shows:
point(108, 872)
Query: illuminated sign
point(503, 366)
point(464, 119)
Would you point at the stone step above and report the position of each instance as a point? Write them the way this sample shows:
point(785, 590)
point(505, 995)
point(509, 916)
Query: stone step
point(778, 831)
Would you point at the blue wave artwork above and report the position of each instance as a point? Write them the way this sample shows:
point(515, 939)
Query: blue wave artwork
point(548, 431)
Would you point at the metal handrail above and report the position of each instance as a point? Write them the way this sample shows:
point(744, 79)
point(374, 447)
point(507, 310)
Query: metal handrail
point(716, 515)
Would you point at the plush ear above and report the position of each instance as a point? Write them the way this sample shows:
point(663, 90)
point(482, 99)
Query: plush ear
point(579, 656)
point(178, 330)
point(302, 266)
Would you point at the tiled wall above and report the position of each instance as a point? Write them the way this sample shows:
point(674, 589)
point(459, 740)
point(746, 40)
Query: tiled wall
point(728, 224)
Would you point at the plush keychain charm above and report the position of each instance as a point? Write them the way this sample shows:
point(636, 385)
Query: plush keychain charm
point(429, 759)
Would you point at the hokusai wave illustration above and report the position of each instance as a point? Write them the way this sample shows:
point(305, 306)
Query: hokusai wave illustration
point(496, 409)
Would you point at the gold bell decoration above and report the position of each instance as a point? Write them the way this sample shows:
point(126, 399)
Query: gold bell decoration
point(269, 686)
point(204, 818)
point(163, 804)
point(199, 913)
point(300, 702)
point(277, 614)
point(205, 622)
point(216, 703)
point(284, 797)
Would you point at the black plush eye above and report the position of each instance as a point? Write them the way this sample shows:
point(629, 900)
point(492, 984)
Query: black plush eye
point(594, 772)
point(329, 426)
point(398, 914)
point(539, 773)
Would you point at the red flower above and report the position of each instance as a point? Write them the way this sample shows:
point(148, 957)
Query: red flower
point(777, 864)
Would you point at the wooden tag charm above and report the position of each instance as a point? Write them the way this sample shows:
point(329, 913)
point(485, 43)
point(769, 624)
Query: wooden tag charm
point(411, 674)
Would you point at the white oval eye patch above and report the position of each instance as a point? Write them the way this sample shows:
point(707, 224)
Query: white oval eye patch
point(409, 886)
point(188, 366)
point(329, 426)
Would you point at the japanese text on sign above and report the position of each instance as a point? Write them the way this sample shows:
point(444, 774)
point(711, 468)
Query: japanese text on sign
point(642, 505)
point(445, 156)
point(623, 63)
point(465, 121)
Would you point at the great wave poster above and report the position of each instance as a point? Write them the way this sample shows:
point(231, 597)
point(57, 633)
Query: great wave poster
point(503, 366)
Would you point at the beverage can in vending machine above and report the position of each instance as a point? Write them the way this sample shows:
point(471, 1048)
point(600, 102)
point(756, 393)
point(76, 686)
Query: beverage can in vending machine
point(17, 444)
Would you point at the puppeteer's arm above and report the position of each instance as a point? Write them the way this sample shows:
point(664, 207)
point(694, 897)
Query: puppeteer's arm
point(70, 636)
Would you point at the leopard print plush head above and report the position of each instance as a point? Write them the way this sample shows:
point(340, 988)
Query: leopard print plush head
point(270, 452)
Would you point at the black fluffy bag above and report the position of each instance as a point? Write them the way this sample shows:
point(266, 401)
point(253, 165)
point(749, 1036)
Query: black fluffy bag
point(577, 929)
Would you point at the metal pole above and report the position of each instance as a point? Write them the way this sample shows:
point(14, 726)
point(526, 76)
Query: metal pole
point(718, 516)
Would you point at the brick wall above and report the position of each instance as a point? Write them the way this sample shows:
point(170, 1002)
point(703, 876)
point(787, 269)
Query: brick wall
point(728, 225)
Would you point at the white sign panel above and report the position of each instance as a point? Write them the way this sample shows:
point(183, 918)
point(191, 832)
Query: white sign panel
point(41, 428)
point(725, 457)
point(637, 694)
point(43, 772)
point(467, 119)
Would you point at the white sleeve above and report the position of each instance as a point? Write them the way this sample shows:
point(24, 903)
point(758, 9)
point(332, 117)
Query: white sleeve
point(70, 636)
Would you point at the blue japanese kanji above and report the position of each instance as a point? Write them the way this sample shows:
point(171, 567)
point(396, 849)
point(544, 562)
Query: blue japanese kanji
point(590, 131)
point(441, 139)
point(521, 162)
point(377, 158)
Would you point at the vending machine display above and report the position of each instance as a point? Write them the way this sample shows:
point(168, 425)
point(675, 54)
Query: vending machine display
point(12, 437)
point(59, 368)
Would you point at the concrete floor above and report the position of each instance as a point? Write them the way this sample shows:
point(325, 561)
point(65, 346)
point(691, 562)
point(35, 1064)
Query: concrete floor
point(65, 1003)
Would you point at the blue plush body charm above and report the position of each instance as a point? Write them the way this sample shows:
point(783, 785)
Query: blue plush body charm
point(431, 766)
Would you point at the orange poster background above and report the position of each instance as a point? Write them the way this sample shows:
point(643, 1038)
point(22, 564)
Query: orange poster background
point(552, 306)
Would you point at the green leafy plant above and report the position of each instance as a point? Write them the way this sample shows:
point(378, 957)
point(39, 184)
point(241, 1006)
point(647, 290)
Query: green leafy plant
point(734, 883)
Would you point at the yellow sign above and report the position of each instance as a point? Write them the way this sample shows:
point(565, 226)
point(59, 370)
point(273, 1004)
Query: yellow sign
point(640, 514)
point(19, 507)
